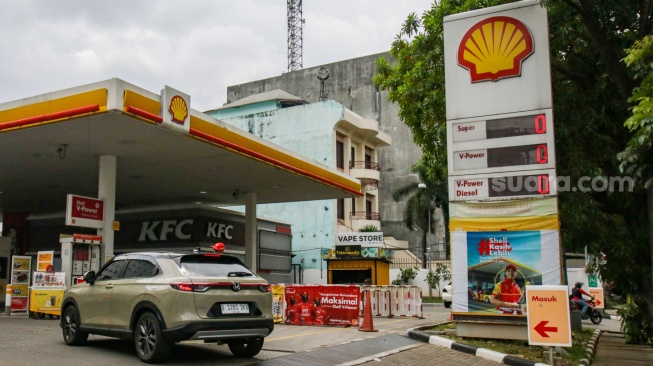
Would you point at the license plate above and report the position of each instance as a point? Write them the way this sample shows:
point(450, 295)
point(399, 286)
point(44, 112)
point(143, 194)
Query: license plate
point(234, 308)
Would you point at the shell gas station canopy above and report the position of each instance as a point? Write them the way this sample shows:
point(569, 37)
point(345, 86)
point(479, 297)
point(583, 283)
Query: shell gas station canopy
point(166, 154)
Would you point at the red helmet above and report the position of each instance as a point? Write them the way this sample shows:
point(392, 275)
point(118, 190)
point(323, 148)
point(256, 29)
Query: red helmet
point(511, 266)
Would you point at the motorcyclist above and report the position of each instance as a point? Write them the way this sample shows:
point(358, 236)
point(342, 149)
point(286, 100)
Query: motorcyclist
point(577, 298)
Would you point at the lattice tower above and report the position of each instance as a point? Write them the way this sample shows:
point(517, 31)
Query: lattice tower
point(295, 35)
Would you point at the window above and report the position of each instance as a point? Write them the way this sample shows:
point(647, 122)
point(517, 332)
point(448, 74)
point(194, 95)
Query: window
point(212, 265)
point(341, 209)
point(112, 271)
point(340, 155)
point(368, 206)
point(140, 268)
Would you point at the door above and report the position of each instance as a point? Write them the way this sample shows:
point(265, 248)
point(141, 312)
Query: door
point(94, 304)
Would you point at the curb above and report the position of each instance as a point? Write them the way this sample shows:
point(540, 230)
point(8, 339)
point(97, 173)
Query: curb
point(590, 349)
point(475, 351)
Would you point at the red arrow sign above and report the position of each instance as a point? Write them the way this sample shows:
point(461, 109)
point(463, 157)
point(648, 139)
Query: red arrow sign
point(542, 328)
point(597, 302)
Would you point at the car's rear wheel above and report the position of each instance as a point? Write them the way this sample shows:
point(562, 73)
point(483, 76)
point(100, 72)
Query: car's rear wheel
point(447, 304)
point(72, 334)
point(150, 345)
point(246, 348)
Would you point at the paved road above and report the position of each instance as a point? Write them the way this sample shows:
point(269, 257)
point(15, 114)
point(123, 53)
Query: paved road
point(29, 342)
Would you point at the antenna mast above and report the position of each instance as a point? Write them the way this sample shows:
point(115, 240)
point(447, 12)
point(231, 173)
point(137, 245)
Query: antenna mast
point(295, 35)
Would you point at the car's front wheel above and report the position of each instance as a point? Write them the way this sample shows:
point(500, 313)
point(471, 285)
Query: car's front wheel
point(72, 334)
point(246, 348)
point(150, 345)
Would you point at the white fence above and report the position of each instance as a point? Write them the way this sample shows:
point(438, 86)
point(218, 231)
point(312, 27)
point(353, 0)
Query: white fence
point(394, 301)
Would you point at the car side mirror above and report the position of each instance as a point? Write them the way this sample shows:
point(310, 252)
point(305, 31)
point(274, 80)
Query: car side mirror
point(89, 277)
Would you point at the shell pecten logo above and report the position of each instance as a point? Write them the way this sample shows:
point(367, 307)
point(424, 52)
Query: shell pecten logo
point(178, 109)
point(494, 48)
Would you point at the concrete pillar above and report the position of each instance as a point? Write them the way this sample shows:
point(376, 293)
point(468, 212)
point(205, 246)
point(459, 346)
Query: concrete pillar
point(107, 192)
point(250, 232)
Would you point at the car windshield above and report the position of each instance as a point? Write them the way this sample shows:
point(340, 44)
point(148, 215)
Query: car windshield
point(212, 265)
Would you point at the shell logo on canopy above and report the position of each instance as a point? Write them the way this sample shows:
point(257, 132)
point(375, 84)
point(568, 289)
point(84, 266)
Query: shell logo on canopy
point(495, 48)
point(178, 109)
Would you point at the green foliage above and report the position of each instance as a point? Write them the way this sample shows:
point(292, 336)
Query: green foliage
point(422, 200)
point(636, 158)
point(441, 273)
point(406, 274)
point(636, 324)
point(368, 229)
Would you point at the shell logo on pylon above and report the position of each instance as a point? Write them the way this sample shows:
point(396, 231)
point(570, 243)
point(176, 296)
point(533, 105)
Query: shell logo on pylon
point(495, 48)
point(178, 109)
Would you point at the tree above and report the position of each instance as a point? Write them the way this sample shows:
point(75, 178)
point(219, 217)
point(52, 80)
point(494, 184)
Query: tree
point(636, 159)
point(591, 91)
point(433, 278)
point(422, 205)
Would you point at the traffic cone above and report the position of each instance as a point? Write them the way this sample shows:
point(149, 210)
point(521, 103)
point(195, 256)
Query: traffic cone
point(368, 325)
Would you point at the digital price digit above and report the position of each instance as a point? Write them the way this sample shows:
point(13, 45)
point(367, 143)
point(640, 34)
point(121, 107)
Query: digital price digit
point(516, 126)
point(542, 157)
point(540, 123)
point(517, 155)
point(519, 185)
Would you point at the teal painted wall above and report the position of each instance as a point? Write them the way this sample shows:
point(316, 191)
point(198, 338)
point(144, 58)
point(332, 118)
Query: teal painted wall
point(307, 130)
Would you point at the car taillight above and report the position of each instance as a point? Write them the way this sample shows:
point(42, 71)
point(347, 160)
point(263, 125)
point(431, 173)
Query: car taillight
point(265, 288)
point(190, 287)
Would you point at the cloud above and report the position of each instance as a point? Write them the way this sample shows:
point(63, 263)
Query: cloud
point(199, 47)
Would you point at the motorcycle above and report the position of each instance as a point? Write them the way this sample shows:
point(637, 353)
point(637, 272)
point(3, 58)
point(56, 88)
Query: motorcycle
point(594, 315)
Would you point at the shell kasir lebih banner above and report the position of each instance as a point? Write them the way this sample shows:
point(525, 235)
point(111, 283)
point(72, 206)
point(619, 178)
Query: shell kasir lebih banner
point(322, 305)
point(492, 268)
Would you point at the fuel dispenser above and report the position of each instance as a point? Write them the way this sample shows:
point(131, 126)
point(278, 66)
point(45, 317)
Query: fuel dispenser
point(80, 254)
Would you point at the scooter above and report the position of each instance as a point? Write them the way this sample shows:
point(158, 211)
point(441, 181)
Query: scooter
point(594, 315)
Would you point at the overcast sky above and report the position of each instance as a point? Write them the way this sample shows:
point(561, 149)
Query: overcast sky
point(196, 46)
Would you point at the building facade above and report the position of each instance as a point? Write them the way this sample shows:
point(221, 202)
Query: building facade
point(332, 135)
point(350, 84)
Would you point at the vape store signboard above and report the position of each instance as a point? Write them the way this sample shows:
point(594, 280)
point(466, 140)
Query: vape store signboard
point(84, 212)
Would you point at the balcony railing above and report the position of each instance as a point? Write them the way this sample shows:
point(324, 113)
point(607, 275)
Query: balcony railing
point(364, 215)
point(364, 165)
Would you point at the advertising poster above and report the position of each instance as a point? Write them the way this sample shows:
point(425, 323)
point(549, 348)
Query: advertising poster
point(44, 260)
point(20, 278)
point(278, 292)
point(46, 299)
point(498, 265)
point(322, 305)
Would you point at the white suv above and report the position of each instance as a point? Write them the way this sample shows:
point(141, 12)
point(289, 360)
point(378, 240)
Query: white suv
point(447, 295)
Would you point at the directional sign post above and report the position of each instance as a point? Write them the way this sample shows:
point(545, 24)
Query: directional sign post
point(598, 297)
point(547, 309)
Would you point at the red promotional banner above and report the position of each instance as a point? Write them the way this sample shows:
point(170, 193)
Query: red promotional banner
point(322, 304)
point(19, 303)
